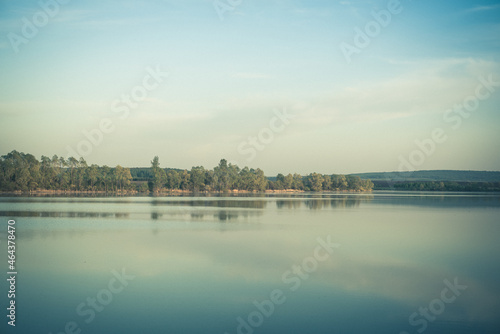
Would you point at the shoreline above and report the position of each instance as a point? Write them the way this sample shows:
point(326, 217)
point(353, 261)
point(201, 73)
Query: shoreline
point(165, 192)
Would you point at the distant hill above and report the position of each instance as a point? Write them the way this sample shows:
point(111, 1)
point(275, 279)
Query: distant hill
point(433, 175)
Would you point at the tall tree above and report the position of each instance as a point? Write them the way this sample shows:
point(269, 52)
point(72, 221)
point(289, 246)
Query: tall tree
point(315, 182)
point(159, 175)
point(122, 177)
point(93, 176)
point(173, 179)
point(260, 180)
point(72, 164)
point(298, 183)
point(106, 177)
point(288, 181)
point(222, 176)
point(197, 178)
point(184, 180)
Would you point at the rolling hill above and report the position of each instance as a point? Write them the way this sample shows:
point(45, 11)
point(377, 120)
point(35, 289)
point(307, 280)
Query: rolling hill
point(433, 175)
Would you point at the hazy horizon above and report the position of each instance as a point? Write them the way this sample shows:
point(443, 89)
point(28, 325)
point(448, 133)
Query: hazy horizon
point(286, 86)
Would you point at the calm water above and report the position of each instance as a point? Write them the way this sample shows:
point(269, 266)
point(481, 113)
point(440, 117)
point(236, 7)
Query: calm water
point(311, 263)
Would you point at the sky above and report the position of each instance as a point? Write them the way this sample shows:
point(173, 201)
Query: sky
point(282, 85)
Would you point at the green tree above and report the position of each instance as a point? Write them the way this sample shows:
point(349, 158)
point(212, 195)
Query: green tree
point(340, 182)
point(81, 174)
point(33, 166)
point(106, 178)
point(298, 183)
point(233, 171)
point(173, 179)
point(72, 164)
point(327, 182)
point(184, 180)
point(64, 177)
point(210, 180)
point(280, 181)
point(288, 181)
point(260, 180)
point(197, 178)
point(48, 174)
point(159, 175)
point(315, 182)
point(221, 176)
point(93, 175)
point(247, 179)
point(122, 177)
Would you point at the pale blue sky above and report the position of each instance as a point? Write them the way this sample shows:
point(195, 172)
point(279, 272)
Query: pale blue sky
point(227, 77)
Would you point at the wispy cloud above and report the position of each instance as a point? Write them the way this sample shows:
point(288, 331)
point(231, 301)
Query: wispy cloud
point(483, 8)
point(432, 87)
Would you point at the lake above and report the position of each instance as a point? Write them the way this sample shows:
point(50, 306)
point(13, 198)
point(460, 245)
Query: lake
point(382, 262)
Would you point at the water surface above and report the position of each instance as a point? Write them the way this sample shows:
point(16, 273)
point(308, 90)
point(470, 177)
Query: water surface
point(218, 264)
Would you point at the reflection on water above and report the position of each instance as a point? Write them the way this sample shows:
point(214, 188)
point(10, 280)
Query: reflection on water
point(166, 208)
point(57, 214)
point(342, 202)
point(200, 263)
point(254, 204)
point(224, 209)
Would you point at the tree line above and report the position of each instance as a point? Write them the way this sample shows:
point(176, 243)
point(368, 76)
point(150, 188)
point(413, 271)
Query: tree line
point(23, 172)
point(447, 186)
point(19, 171)
point(226, 176)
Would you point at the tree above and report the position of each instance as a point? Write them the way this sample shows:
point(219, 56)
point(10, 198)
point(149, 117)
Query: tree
point(260, 180)
point(298, 183)
point(209, 180)
point(122, 177)
point(233, 173)
point(340, 182)
point(93, 175)
point(173, 180)
point(159, 175)
point(19, 171)
point(72, 164)
point(327, 182)
point(64, 179)
point(222, 176)
point(280, 181)
point(81, 173)
point(288, 181)
point(247, 180)
point(315, 182)
point(56, 168)
point(48, 174)
point(353, 182)
point(184, 180)
point(197, 178)
point(106, 177)
point(143, 187)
